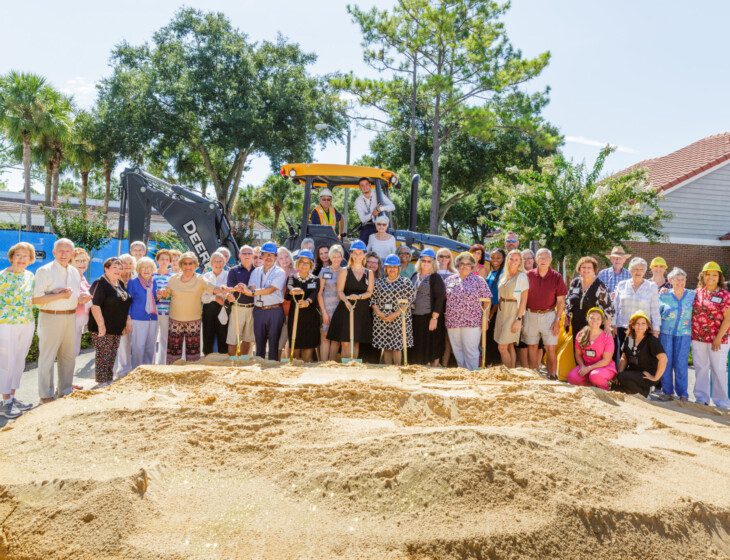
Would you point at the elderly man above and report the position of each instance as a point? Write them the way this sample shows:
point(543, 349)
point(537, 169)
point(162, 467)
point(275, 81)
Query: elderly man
point(226, 255)
point(325, 214)
point(368, 209)
point(138, 250)
point(511, 241)
point(407, 268)
point(615, 273)
point(545, 305)
point(57, 293)
point(266, 287)
point(240, 323)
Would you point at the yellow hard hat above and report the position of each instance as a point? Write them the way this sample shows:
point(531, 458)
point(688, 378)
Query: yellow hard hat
point(711, 266)
point(597, 310)
point(640, 314)
point(658, 261)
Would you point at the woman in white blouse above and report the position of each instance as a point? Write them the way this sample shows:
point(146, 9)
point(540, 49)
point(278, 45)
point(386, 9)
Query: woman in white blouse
point(381, 242)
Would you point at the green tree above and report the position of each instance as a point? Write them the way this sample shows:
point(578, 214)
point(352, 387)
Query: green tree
point(203, 87)
point(27, 106)
point(566, 208)
point(459, 59)
point(86, 228)
point(280, 194)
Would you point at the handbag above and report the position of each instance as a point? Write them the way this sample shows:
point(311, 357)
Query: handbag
point(223, 316)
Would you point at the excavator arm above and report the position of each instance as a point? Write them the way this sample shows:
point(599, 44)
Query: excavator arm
point(201, 223)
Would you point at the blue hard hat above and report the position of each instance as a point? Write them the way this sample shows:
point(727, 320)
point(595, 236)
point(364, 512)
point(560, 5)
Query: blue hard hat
point(358, 246)
point(305, 254)
point(269, 247)
point(391, 260)
point(428, 252)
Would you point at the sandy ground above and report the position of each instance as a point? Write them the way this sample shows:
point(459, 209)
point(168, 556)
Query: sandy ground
point(265, 461)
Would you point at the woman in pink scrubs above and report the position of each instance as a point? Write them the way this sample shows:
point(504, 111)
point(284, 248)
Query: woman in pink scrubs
point(593, 353)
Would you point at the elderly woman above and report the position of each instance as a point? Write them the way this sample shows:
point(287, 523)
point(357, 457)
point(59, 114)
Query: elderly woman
point(675, 335)
point(163, 258)
point(185, 290)
point(429, 329)
point(215, 333)
point(513, 291)
point(109, 318)
point(528, 260)
point(16, 325)
point(123, 364)
point(587, 291)
point(464, 311)
point(632, 295)
point(658, 268)
point(594, 349)
point(407, 268)
point(387, 326)
point(643, 360)
point(354, 285)
point(175, 260)
point(381, 242)
point(81, 262)
point(302, 290)
point(444, 260)
point(710, 326)
point(328, 300)
point(143, 313)
point(477, 250)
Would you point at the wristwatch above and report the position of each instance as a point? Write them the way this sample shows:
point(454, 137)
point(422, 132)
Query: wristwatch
point(518, 318)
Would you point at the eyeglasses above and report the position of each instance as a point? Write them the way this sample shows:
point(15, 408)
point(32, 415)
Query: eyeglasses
point(429, 261)
point(384, 225)
point(326, 198)
point(441, 257)
point(247, 254)
point(466, 264)
point(511, 240)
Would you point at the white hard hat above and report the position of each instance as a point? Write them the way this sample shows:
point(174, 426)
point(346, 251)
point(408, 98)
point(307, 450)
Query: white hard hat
point(325, 192)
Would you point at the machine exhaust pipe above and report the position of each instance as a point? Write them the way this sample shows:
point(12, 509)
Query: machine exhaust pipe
point(414, 202)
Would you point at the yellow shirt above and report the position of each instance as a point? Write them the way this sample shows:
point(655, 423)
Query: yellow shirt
point(185, 304)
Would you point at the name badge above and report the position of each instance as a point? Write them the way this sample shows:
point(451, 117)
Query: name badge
point(311, 285)
point(716, 299)
point(327, 275)
point(591, 353)
point(259, 304)
point(387, 307)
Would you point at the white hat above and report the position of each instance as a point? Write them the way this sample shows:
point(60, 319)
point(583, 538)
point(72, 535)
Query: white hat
point(325, 192)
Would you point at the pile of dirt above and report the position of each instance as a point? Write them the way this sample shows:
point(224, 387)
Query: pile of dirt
point(259, 460)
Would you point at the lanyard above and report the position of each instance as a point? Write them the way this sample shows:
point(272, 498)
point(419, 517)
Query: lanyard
point(265, 281)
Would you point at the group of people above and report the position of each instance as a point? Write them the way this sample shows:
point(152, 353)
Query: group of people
point(505, 305)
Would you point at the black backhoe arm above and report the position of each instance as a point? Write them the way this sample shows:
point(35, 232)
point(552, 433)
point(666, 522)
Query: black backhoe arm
point(201, 223)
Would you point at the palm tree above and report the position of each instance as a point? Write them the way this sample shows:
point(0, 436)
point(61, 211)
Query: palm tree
point(279, 194)
point(26, 110)
point(81, 150)
point(251, 205)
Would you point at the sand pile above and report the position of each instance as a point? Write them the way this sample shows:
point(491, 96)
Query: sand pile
point(267, 461)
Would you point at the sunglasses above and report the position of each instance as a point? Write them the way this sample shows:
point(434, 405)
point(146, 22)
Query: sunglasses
point(325, 198)
point(440, 257)
point(511, 240)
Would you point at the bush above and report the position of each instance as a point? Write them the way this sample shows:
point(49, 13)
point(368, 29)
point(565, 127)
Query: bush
point(33, 352)
point(86, 228)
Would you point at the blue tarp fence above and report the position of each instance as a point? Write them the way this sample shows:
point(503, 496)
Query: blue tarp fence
point(43, 243)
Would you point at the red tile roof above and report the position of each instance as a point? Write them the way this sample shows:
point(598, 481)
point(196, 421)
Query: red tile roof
point(675, 168)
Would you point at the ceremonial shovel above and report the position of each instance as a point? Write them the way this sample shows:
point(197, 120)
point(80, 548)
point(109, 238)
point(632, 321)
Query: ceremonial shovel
point(352, 357)
point(404, 305)
point(486, 304)
point(294, 327)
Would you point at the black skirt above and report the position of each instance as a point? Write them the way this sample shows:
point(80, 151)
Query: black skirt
point(427, 345)
point(307, 327)
point(339, 330)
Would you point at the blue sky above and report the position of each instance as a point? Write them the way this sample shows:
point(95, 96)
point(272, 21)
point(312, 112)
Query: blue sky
point(648, 76)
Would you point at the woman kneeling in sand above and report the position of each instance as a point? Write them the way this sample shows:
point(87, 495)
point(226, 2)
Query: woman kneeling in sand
point(594, 349)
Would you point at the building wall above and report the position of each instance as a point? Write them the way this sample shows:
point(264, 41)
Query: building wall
point(690, 258)
point(701, 208)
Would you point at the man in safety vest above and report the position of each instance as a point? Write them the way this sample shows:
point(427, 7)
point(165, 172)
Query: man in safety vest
point(325, 214)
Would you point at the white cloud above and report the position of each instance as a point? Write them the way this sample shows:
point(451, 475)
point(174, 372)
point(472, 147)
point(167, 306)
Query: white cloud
point(83, 90)
point(583, 141)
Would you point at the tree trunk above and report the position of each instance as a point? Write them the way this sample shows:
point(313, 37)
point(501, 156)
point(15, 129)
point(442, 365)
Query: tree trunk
point(433, 226)
point(56, 178)
point(414, 100)
point(84, 186)
point(49, 183)
point(26, 179)
point(204, 189)
point(107, 187)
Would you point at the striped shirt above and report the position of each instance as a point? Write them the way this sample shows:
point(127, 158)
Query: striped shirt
point(628, 301)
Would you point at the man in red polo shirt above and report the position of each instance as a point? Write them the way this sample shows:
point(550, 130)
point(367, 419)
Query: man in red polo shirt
point(545, 304)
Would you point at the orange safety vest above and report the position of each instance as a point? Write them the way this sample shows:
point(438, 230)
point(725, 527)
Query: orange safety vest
point(326, 218)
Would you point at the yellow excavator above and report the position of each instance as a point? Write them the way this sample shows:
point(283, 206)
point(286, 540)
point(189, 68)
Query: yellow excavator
point(314, 176)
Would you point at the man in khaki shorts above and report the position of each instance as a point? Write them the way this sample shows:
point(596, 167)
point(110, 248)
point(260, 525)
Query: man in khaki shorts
point(545, 305)
point(242, 308)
